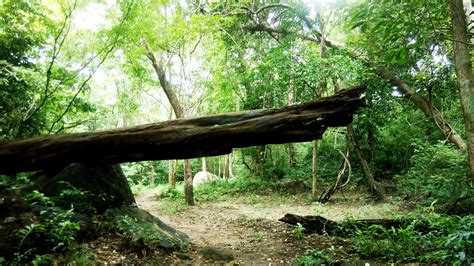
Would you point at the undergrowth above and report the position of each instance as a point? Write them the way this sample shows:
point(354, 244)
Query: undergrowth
point(433, 238)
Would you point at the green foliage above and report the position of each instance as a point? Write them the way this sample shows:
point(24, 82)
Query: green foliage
point(298, 231)
point(79, 199)
point(222, 188)
point(172, 193)
point(438, 172)
point(36, 197)
point(146, 173)
point(56, 233)
point(316, 257)
point(428, 238)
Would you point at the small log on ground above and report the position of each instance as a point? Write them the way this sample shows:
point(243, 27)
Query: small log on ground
point(183, 138)
point(318, 224)
point(314, 224)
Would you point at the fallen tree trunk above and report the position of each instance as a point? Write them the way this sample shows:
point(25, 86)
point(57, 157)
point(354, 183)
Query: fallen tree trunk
point(318, 224)
point(183, 138)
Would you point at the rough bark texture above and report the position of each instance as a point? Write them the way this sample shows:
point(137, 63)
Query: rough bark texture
point(183, 138)
point(463, 66)
point(188, 183)
point(172, 173)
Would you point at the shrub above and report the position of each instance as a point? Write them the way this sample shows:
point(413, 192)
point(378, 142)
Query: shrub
point(429, 238)
point(438, 172)
point(316, 257)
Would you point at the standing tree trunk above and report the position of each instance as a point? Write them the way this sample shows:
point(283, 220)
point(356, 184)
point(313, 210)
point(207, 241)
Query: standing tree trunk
point(204, 164)
point(172, 164)
point(178, 111)
point(188, 183)
point(463, 66)
point(227, 167)
point(374, 186)
point(172, 173)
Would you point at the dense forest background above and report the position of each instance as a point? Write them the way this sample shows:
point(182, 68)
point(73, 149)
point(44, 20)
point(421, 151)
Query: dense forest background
point(84, 66)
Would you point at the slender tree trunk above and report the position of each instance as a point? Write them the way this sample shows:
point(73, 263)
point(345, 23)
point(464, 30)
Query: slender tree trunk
point(188, 183)
point(231, 164)
point(172, 173)
point(463, 66)
point(227, 167)
point(172, 164)
point(151, 181)
point(374, 186)
point(314, 170)
point(204, 164)
point(173, 99)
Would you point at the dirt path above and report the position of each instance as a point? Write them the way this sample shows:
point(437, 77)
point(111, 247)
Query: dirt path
point(249, 228)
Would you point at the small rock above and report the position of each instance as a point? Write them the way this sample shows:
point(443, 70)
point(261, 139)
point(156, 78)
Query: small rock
point(211, 253)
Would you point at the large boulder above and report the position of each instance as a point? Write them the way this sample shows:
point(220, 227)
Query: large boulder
point(203, 177)
point(143, 231)
point(105, 186)
point(15, 214)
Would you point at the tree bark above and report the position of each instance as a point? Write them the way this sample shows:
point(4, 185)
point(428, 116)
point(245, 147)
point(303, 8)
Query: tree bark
point(188, 183)
point(227, 166)
point(465, 76)
point(374, 186)
point(165, 85)
point(183, 138)
point(172, 173)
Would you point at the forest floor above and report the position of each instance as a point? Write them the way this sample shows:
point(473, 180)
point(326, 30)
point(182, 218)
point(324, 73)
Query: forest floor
point(247, 227)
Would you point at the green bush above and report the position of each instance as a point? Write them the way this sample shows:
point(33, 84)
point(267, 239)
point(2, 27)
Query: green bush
point(438, 172)
point(57, 234)
point(316, 257)
point(237, 186)
point(430, 238)
point(146, 173)
point(79, 199)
